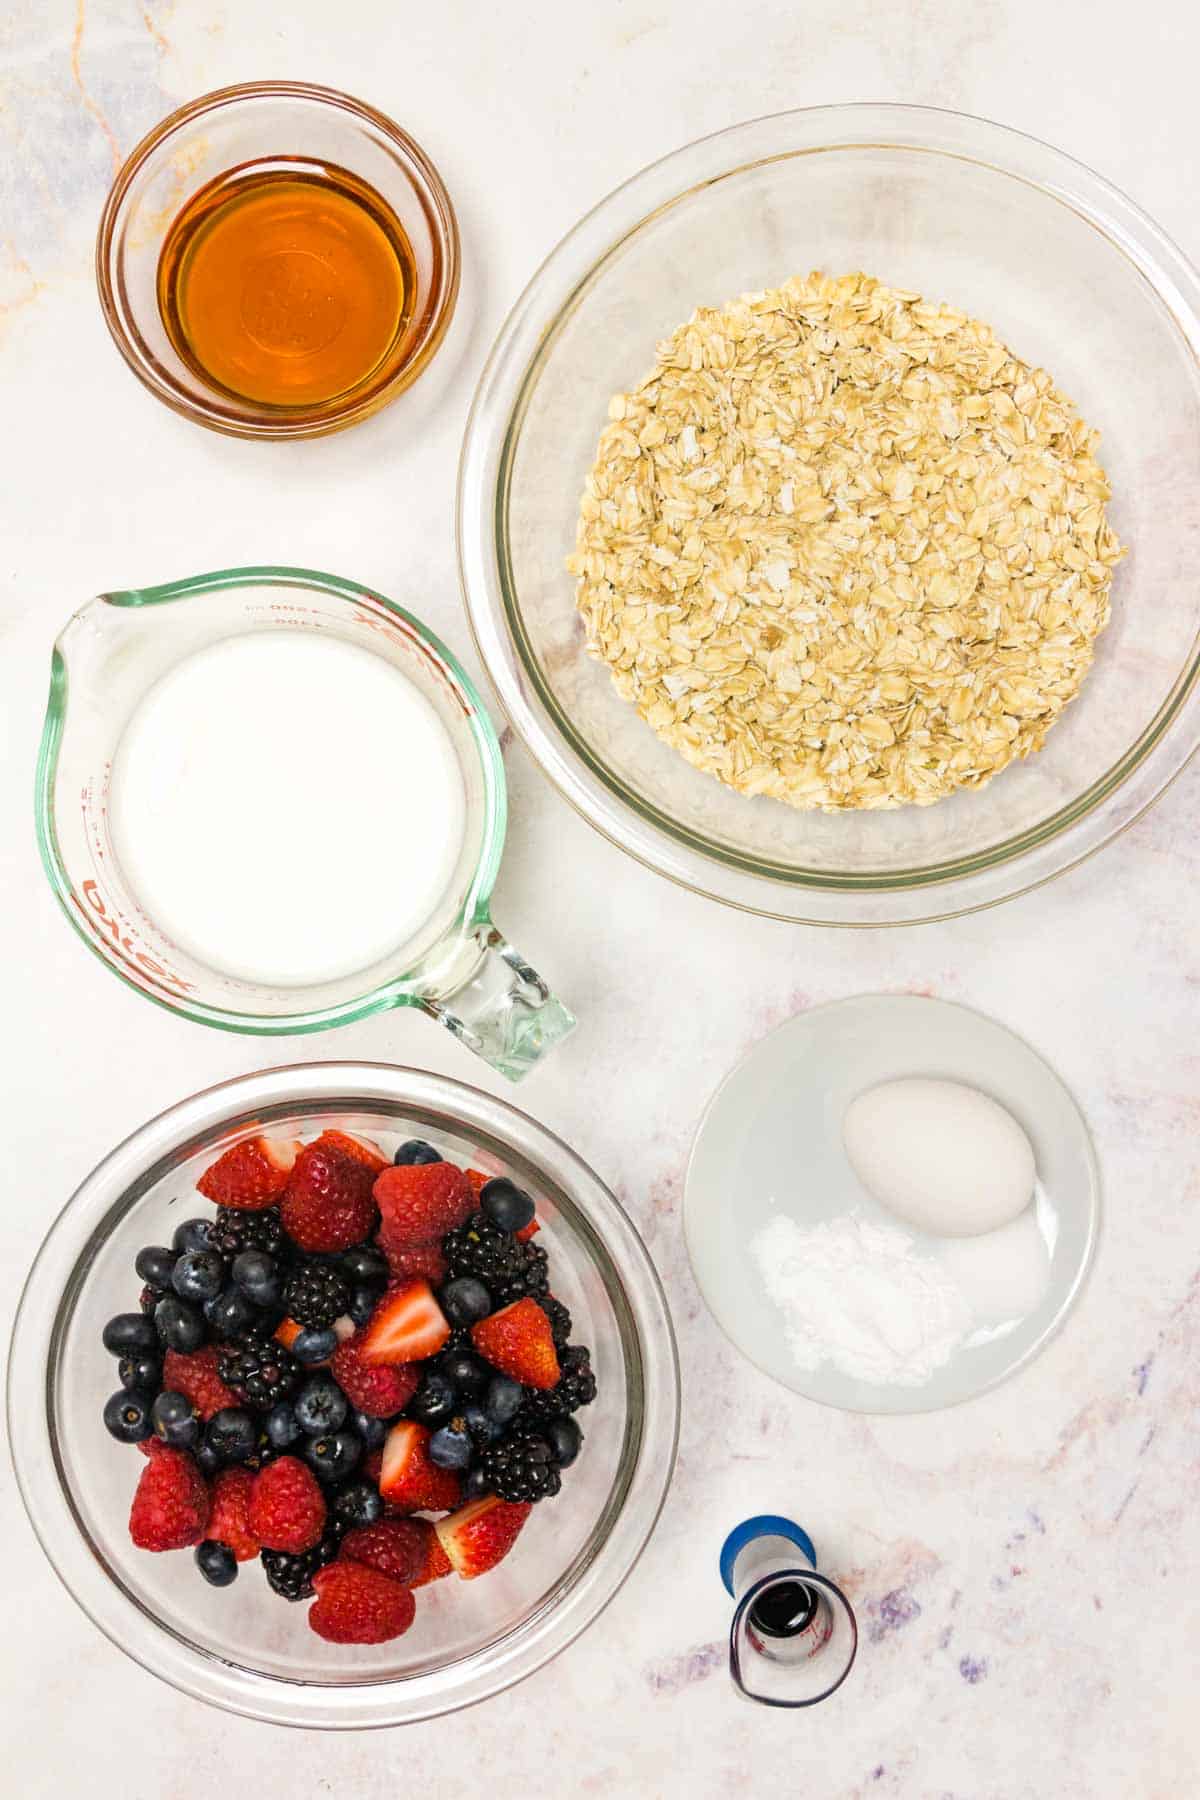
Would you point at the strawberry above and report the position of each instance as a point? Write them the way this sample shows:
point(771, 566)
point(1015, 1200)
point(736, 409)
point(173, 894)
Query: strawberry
point(393, 1547)
point(422, 1201)
point(377, 1389)
point(407, 1477)
point(250, 1175)
point(481, 1534)
point(518, 1341)
point(196, 1376)
point(170, 1505)
point(327, 1203)
point(229, 1513)
point(286, 1332)
point(408, 1324)
point(527, 1231)
point(358, 1149)
point(357, 1605)
point(414, 1259)
point(287, 1510)
point(477, 1179)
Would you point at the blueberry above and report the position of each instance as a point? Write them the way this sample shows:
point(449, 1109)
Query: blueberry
point(434, 1400)
point(363, 1263)
point(506, 1205)
point(230, 1314)
point(174, 1420)
point(333, 1456)
point(416, 1150)
point(198, 1275)
point(208, 1460)
point(257, 1274)
point(233, 1434)
point(314, 1346)
point(179, 1325)
point(127, 1416)
point(564, 1438)
point(475, 1484)
point(450, 1446)
point(140, 1370)
point(464, 1371)
point(193, 1234)
point(282, 1426)
point(364, 1299)
point(321, 1406)
point(372, 1431)
point(504, 1399)
point(129, 1331)
point(358, 1504)
point(216, 1562)
point(483, 1428)
point(465, 1301)
point(154, 1264)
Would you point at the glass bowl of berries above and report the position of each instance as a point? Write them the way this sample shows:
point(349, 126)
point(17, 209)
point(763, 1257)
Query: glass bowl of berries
point(343, 1395)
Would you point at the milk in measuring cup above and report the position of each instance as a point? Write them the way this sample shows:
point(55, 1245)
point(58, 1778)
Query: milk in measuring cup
point(287, 807)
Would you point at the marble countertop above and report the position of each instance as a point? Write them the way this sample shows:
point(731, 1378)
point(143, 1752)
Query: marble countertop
point(1025, 1567)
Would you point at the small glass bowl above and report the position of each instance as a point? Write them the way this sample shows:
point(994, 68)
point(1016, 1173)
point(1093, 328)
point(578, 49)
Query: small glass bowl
point(221, 131)
point(244, 1649)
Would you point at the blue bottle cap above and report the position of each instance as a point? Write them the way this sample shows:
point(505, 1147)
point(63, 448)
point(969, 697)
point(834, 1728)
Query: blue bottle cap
point(762, 1525)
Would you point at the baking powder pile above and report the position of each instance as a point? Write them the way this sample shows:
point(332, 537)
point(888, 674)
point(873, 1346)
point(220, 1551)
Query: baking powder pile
point(858, 1295)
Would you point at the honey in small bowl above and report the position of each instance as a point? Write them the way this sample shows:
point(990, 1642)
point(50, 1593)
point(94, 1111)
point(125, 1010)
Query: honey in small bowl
point(287, 282)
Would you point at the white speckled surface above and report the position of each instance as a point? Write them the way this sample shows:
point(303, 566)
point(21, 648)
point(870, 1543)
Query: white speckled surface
point(1025, 1567)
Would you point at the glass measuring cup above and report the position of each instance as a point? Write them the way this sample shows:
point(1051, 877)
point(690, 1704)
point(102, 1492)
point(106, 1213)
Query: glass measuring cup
point(794, 1636)
point(456, 966)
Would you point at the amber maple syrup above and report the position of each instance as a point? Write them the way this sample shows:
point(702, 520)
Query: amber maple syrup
point(288, 283)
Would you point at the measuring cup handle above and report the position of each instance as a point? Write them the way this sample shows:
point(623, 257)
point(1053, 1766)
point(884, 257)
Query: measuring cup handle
point(504, 1011)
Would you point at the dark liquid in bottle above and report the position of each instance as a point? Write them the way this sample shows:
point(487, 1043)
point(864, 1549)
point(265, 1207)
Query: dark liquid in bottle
point(785, 1610)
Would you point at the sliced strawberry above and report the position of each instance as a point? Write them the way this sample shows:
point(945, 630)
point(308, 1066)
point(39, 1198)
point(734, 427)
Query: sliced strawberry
point(414, 1259)
point(481, 1534)
point(250, 1175)
point(477, 1179)
point(380, 1389)
point(357, 1605)
point(229, 1514)
point(286, 1332)
point(408, 1324)
point(170, 1504)
point(358, 1149)
point(527, 1231)
point(405, 1550)
point(327, 1204)
point(407, 1477)
point(420, 1202)
point(518, 1341)
point(196, 1375)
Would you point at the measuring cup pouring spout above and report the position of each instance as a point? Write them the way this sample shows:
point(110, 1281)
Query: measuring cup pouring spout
point(793, 1637)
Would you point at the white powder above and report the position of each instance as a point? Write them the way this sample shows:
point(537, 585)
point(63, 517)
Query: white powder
point(858, 1295)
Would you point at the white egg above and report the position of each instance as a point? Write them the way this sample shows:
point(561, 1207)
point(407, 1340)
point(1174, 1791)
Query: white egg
point(940, 1155)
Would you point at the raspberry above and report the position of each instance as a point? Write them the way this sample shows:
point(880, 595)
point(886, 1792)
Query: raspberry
point(381, 1390)
point(196, 1376)
point(393, 1547)
point(407, 1260)
point(420, 1202)
point(229, 1512)
point(356, 1605)
point(328, 1204)
point(287, 1510)
point(170, 1506)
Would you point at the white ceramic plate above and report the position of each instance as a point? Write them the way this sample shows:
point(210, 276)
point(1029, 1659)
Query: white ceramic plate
point(770, 1142)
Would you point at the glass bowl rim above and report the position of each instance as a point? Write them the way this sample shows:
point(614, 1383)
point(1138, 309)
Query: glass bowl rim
point(51, 1289)
point(443, 224)
point(946, 890)
point(388, 994)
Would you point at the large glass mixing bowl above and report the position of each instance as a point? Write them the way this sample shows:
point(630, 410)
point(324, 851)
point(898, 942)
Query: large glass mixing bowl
point(1071, 274)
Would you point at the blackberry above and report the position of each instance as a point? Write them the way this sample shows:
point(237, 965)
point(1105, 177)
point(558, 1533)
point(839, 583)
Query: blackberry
point(576, 1387)
point(560, 1319)
point(521, 1468)
point(260, 1374)
point(509, 1270)
point(315, 1295)
point(235, 1231)
point(291, 1576)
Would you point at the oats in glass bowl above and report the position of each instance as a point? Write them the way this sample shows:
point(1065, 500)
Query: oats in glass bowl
point(842, 548)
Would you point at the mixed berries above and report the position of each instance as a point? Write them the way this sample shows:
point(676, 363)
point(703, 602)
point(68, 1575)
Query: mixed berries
point(349, 1345)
